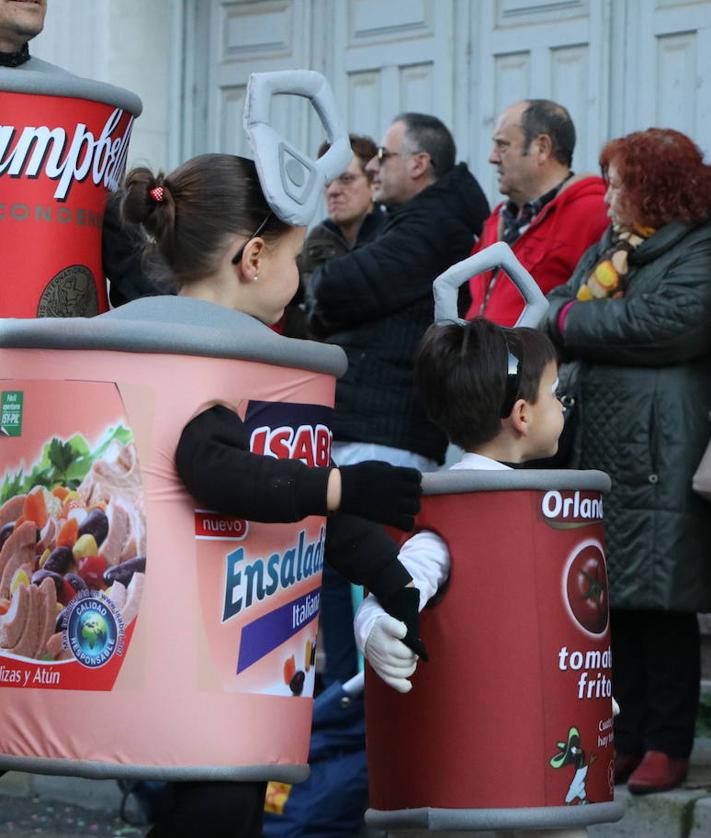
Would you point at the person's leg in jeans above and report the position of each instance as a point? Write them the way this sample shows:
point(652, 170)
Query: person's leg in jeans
point(672, 648)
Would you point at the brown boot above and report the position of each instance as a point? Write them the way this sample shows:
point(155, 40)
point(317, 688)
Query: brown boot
point(657, 772)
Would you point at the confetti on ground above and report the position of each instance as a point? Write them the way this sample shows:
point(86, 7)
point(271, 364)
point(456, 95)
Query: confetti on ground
point(25, 817)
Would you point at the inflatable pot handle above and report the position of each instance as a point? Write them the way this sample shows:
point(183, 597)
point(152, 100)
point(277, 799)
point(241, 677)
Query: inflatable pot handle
point(292, 183)
point(499, 255)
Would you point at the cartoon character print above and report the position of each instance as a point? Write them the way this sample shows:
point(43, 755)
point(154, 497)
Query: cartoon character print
point(571, 753)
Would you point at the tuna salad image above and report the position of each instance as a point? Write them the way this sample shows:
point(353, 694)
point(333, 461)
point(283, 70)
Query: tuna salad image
point(72, 523)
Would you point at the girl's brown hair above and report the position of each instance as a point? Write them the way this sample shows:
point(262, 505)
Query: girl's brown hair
point(202, 204)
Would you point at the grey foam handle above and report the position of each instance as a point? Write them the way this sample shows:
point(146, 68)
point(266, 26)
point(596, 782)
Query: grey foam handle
point(292, 182)
point(499, 255)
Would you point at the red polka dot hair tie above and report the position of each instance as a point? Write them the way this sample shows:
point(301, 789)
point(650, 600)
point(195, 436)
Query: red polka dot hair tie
point(157, 193)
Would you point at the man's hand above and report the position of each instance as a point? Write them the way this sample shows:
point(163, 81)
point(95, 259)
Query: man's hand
point(382, 493)
point(388, 655)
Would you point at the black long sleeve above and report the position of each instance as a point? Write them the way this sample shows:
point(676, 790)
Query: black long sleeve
point(214, 461)
point(365, 554)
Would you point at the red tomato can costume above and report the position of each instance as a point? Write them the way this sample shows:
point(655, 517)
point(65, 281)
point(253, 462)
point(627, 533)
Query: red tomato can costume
point(509, 724)
point(63, 147)
point(183, 645)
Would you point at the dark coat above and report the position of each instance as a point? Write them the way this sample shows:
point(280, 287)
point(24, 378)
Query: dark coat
point(325, 242)
point(645, 386)
point(376, 302)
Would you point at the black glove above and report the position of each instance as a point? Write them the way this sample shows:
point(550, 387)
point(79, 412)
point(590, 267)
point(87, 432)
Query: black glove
point(381, 492)
point(404, 606)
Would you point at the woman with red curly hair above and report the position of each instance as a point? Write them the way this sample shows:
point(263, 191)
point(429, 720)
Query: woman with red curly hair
point(635, 321)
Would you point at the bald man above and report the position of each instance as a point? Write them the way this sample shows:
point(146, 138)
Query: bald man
point(551, 215)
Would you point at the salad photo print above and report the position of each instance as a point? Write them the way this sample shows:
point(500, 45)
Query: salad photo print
point(72, 534)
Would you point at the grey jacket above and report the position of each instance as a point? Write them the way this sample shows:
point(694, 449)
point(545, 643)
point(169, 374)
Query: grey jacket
point(645, 388)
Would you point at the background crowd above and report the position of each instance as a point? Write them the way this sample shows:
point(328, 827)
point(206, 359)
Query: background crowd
point(625, 260)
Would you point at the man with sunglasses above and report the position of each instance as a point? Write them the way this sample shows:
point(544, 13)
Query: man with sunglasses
point(376, 300)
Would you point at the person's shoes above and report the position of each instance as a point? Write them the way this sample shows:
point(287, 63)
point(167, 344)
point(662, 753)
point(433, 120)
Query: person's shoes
point(625, 764)
point(657, 772)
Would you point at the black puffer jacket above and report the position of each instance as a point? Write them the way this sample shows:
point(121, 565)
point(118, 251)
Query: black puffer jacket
point(376, 302)
point(646, 395)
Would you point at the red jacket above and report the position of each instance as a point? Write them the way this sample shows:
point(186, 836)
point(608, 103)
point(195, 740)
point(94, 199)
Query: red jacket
point(549, 249)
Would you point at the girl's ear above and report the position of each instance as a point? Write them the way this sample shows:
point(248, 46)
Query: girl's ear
point(520, 419)
point(251, 260)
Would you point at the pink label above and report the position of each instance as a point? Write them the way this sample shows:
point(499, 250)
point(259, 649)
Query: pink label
point(260, 598)
point(73, 554)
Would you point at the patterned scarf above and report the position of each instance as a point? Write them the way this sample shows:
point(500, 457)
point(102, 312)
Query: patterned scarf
point(610, 275)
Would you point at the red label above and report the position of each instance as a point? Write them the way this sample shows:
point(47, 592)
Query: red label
point(311, 445)
point(59, 157)
point(210, 526)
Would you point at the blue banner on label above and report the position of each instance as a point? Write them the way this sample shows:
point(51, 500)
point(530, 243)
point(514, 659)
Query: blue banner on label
point(264, 634)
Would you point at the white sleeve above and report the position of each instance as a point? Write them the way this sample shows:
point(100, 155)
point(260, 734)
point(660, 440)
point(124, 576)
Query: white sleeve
point(426, 558)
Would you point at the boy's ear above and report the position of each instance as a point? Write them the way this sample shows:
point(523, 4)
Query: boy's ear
point(520, 417)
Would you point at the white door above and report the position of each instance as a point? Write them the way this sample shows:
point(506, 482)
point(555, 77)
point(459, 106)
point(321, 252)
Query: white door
point(617, 65)
point(236, 38)
point(552, 50)
point(389, 57)
point(668, 76)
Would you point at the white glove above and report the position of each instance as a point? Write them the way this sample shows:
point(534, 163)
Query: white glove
point(388, 655)
point(615, 707)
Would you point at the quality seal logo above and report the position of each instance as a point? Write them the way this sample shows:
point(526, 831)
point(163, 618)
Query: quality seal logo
point(93, 629)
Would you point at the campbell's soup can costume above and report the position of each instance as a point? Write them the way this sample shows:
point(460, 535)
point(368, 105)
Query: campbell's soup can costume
point(509, 724)
point(141, 635)
point(63, 147)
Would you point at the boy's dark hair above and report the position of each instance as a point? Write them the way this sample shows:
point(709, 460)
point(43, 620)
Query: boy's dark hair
point(461, 374)
point(545, 117)
point(202, 203)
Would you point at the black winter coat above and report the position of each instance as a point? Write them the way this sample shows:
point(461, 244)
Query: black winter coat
point(323, 243)
point(646, 395)
point(376, 302)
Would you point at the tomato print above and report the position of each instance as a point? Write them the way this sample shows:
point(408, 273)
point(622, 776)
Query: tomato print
point(586, 588)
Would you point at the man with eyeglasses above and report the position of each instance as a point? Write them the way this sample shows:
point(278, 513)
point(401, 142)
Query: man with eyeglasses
point(551, 216)
point(376, 301)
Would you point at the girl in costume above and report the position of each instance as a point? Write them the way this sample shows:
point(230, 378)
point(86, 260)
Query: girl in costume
point(212, 232)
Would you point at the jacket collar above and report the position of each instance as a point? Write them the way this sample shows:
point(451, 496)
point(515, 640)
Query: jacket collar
point(664, 239)
point(15, 59)
point(547, 207)
point(372, 221)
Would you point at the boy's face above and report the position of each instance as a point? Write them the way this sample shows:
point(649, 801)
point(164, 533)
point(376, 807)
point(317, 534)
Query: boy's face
point(546, 417)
